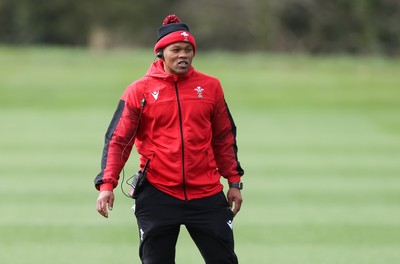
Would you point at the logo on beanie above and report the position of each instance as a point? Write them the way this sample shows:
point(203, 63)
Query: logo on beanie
point(185, 35)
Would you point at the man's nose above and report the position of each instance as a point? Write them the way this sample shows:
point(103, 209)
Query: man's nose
point(184, 53)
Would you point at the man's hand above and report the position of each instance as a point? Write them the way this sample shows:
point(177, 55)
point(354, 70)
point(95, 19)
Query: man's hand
point(105, 199)
point(234, 197)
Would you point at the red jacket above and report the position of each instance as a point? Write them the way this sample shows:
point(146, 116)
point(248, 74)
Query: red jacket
point(185, 129)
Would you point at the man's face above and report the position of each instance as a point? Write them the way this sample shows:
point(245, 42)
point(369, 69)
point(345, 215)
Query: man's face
point(178, 58)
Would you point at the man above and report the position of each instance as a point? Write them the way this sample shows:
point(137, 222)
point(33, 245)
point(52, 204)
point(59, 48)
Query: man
point(182, 128)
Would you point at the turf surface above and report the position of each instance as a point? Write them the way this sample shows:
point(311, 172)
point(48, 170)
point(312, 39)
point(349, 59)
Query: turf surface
point(319, 139)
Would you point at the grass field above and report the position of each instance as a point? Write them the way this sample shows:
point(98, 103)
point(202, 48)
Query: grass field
point(319, 139)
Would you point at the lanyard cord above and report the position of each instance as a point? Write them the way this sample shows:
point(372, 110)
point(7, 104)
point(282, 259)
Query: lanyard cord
point(142, 104)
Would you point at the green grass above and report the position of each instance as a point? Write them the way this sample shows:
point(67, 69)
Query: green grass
point(319, 139)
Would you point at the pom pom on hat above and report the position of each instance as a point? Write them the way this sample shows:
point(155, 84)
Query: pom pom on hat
point(171, 31)
point(171, 19)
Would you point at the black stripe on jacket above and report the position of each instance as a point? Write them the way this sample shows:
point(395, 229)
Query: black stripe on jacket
point(110, 131)
point(239, 169)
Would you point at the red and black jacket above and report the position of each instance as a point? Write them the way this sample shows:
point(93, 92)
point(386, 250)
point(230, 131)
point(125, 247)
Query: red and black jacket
point(186, 130)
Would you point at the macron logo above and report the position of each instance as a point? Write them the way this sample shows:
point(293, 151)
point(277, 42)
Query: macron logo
point(230, 224)
point(155, 95)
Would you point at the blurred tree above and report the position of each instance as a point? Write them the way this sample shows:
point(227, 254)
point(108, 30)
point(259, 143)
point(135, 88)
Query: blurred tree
point(14, 16)
point(39, 21)
point(223, 24)
point(357, 26)
point(315, 26)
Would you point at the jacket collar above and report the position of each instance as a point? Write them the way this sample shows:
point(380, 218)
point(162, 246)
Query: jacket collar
point(156, 70)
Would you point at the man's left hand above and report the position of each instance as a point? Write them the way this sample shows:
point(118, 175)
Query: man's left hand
point(234, 200)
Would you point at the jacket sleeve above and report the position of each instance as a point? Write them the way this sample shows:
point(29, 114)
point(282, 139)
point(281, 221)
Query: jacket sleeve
point(119, 140)
point(224, 142)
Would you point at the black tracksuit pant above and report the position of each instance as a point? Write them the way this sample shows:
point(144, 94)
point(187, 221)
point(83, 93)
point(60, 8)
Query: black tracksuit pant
point(208, 221)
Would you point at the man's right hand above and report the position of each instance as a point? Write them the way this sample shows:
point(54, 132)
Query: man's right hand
point(105, 199)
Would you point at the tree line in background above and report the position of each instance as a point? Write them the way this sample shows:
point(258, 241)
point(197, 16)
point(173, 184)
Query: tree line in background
point(312, 26)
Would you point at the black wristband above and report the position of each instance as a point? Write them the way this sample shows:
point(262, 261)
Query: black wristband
point(238, 185)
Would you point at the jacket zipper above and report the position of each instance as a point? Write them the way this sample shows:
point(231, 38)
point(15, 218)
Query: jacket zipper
point(182, 141)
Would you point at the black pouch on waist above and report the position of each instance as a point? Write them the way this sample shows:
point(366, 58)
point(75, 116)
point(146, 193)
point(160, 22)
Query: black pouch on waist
point(138, 182)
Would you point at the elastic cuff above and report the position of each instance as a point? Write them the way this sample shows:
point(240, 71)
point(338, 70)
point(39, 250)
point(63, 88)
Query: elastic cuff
point(106, 187)
point(233, 179)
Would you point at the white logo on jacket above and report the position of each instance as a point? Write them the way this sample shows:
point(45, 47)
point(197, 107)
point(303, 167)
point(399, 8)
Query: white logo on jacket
point(155, 95)
point(199, 91)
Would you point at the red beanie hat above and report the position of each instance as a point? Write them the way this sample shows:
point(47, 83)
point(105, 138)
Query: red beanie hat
point(173, 31)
